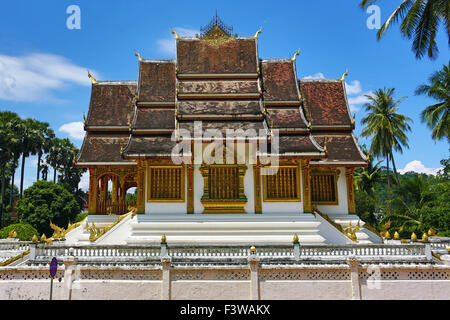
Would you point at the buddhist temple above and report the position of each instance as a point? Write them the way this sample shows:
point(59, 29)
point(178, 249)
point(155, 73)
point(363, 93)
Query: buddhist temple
point(287, 168)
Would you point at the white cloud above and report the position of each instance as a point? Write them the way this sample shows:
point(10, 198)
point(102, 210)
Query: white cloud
point(417, 166)
point(318, 75)
point(167, 45)
point(34, 76)
point(84, 182)
point(74, 129)
point(353, 88)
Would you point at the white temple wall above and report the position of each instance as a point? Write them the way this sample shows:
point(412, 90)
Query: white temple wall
point(342, 207)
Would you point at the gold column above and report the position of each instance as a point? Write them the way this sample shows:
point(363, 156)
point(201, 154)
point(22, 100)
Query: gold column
point(257, 183)
point(350, 190)
point(114, 191)
point(140, 202)
point(190, 188)
point(306, 182)
point(93, 190)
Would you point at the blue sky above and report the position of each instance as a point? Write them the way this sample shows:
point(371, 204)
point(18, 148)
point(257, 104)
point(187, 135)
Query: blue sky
point(43, 63)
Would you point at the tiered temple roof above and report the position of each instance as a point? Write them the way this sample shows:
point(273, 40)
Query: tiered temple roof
point(219, 79)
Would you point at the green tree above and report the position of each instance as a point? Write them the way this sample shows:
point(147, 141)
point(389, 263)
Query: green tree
point(385, 127)
point(367, 178)
point(44, 202)
point(421, 19)
point(30, 142)
point(43, 142)
point(437, 116)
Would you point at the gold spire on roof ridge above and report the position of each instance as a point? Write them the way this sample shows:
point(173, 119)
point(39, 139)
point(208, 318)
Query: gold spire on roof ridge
point(92, 77)
point(257, 32)
point(344, 75)
point(295, 55)
point(175, 33)
point(138, 55)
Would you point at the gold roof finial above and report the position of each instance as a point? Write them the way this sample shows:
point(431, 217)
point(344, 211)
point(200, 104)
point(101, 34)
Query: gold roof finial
point(84, 118)
point(175, 33)
point(344, 75)
point(138, 55)
point(92, 77)
point(257, 32)
point(295, 55)
point(325, 150)
point(353, 119)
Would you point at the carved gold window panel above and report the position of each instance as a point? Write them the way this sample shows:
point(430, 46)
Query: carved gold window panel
point(324, 187)
point(282, 186)
point(223, 190)
point(223, 182)
point(165, 184)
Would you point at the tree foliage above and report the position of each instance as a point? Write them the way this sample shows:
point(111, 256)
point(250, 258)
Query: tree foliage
point(44, 202)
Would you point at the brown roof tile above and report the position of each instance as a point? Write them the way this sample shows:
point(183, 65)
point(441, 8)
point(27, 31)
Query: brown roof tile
point(152, 118)
point(340, 147)
point(150, 145)
point(102, 147)
point(157, 81)
point(279, 81)
point(235, 56)
point(325, 102)
point(112, 104)
point(286, 118)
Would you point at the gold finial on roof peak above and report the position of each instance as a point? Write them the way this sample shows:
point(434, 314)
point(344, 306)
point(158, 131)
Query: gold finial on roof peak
point(257, 32)
point(295, 55)
point(344, 75)
point(175, 33)
point(138, 55)
point(325, 149)
point(92, 77)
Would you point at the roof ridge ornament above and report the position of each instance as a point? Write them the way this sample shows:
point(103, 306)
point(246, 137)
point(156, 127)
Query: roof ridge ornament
point(216, 32)
point(92, 77)
point(295, 55)
point(138, 55)
point(175, 33)
point(257, 32)
point(344, 75)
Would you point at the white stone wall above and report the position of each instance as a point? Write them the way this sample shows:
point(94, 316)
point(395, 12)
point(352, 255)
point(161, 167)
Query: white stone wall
point(414, 282)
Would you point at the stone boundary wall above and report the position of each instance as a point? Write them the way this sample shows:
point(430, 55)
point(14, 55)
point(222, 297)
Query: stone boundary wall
point(253, 280)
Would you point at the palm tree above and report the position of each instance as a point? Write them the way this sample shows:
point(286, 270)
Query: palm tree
point(385, 127)
point(30, 145)
point(54, 156)
point(411, 198)
point(421, 19)
point(44, 142)
point(366, 178)
point(437, 116)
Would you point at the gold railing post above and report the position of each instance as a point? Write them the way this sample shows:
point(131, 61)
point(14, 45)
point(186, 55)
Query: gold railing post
point(140, 201)
point(257, 183)
point(306, 181)
point(93, 190)
point(350, 190)
point(190, 189)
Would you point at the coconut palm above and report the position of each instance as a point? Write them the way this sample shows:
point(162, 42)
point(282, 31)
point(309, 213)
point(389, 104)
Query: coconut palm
point(30, 143)
point(385, 127)
point(437, 116)
point(366, 178)
point(421, 19)
point(44, 142)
